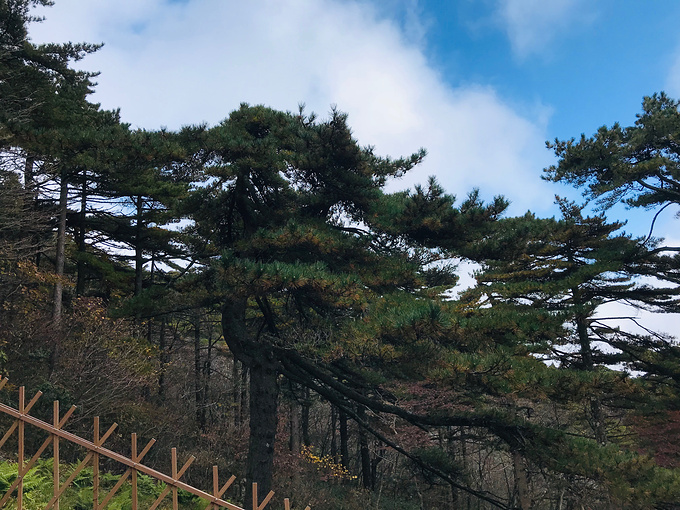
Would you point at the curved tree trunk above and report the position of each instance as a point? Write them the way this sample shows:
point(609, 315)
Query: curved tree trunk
point(264, 396)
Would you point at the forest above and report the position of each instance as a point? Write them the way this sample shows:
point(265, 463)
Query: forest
point(250, 293)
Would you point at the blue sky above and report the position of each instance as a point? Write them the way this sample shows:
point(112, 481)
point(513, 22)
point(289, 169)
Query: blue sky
point(482, 84)
point(591, 62)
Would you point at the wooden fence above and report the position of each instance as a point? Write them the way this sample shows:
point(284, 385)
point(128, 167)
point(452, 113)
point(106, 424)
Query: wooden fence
point(96, 450)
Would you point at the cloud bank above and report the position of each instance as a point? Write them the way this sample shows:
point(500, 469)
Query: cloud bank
point(175, 63)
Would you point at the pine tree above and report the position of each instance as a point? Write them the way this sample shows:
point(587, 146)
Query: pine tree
point(308, 246)
point(636, 165)
point(551, 278)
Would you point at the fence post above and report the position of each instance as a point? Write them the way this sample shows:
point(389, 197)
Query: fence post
point(20, 460)
point(55, 454)
point(175, 502)
point(95, 467)
point(134, 471)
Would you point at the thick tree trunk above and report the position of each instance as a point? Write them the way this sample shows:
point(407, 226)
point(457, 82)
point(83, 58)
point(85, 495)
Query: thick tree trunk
point(264, 395)
point(29, 183)
point(521, 483)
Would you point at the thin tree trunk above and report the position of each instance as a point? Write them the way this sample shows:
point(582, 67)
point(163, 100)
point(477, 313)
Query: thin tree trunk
point(30, 187)
point(198, 383)
point(334, 435)
point(295, 442)
point(235, 392)
point(243, 394)
point(344, 440)
point(599, 425)
point(365, 454)
point(139, 254)
point(305, 416)
point(162, 347)
point(207, 374)
point(61, 251)
point(80, 281)
point(60, 259)
point(464, 455)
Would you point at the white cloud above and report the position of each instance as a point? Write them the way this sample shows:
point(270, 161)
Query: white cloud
point(531, 25)
point(169, 63)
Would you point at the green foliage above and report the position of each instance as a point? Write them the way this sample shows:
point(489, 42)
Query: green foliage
point(38, 489)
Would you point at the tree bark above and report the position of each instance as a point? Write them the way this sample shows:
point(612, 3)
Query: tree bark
point(243, 395)
point(235, 392)
point(305, 416)
point(139, 253)
point(29, 184)
point(344, 440)
point(80, 270)
point(264, 394)
point(207, 375)
point(163, 355)
point(295, 442)
point(198, 375)
point(596, 413)
point(334, 435)
point(521, 483)
point(60, 257)
point(32, 189)
point(365, 454)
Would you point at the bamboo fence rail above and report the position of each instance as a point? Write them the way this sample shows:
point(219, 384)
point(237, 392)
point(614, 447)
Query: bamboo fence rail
point(95, 450)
